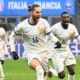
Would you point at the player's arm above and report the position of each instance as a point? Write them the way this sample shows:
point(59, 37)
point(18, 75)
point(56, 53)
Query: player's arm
point(76, 34)
point(54, 40)
point(12, 42)
point(4, 32)
point(6, 38)
point(77, 38)
point(51, 37)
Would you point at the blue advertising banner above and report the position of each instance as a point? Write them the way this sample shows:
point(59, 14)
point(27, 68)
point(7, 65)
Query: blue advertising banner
point(49, 7)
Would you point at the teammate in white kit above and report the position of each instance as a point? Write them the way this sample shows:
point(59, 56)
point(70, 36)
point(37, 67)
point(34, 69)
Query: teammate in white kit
point(34, 30)
point(64, 31)
point(3, 48)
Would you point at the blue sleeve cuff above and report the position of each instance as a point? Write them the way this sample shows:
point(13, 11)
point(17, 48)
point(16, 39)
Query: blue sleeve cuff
point(77, 36)
point(48, 33)
point(15, 32)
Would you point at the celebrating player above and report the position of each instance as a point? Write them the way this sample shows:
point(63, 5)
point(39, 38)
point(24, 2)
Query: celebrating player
point(3, 47)
point(34, 30)
point(64, 31)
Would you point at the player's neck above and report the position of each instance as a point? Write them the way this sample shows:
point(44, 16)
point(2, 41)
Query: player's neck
point(64, 26)
point(31, 21)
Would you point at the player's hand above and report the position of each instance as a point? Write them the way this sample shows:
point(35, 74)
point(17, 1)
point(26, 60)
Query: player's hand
point(14, 55)
point(58, 45)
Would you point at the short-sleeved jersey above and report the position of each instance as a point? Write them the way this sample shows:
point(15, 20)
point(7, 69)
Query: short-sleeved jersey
point(3, 43)
point(2, 33)
point(33, 35)
point(64, 34)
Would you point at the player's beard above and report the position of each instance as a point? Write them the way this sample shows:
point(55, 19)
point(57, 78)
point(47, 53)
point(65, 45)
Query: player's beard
point(65, 25)
point(35, 19)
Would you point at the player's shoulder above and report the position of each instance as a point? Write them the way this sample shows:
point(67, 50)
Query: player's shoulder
point(22, 23)
point(72, 25)
point(2, 30)
point(56, 25)
point(43, 20)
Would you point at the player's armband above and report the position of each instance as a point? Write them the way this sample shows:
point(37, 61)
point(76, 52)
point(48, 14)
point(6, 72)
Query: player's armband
point(76, 36)
point(48, 33)
point(78, 39)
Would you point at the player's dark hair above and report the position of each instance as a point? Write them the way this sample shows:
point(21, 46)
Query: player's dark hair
point(31, 8)
point(64, 13)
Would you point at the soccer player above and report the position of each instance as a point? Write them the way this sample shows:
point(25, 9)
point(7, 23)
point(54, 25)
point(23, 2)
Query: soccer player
point(3, 45)
point(4, 48)
point(34, 30)
point(64, 31)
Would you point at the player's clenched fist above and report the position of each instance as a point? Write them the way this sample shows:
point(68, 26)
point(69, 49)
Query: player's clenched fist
point(14, 55)
point(58, 44)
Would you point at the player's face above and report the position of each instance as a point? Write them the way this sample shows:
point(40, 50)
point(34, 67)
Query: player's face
point(65, 18)
point(36, 14)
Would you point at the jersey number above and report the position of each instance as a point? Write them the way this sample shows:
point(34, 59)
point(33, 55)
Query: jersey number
point(35, 39)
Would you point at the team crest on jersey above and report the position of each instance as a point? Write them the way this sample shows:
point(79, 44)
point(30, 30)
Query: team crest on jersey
point(70, 33)
point(40, 29)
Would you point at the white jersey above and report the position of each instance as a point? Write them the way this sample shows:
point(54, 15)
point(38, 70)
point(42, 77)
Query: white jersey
point(33, 35)
point(63, 55)
point(64, 34)
point(3, 48)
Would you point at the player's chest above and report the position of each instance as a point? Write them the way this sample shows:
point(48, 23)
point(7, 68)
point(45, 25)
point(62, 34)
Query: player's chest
point(33, 30)
point(64, 33)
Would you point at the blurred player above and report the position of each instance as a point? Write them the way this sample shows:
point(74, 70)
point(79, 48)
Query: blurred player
point(64, 31)
point(3, 45)
point(34, 30)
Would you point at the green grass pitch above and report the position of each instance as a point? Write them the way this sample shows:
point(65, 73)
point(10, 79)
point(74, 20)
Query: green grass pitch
point(19, 70)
